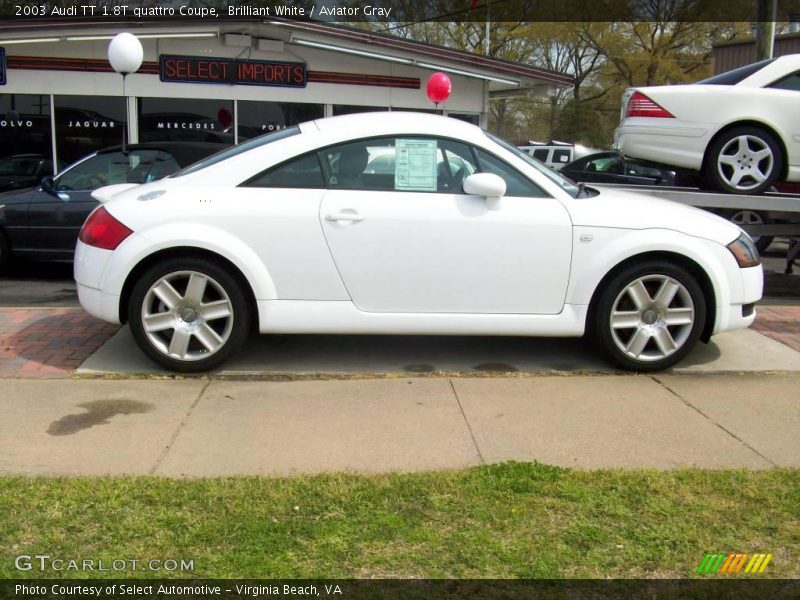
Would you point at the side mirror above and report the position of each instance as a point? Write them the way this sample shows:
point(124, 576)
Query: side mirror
point(48, 185)
point(490, 186)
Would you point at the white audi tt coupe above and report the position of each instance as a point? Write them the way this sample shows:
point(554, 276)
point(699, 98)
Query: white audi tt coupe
point(405, 223)
point(740, 129)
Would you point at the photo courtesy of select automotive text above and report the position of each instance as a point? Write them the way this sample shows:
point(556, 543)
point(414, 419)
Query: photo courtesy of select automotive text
point(400, 299)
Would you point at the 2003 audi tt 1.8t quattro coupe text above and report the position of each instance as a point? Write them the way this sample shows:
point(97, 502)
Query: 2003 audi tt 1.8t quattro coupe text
point(457, 232)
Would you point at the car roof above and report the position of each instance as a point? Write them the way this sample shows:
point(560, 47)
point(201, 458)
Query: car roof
point(385, 122)
point(779, 68)
point(185, 153)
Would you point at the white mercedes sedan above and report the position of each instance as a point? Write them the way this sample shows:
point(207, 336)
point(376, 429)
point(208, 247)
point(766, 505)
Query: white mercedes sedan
point(740, 129)
point(405, 223)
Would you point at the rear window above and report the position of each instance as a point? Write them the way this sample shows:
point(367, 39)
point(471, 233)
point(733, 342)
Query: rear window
point(256, 142)
point(737, 75)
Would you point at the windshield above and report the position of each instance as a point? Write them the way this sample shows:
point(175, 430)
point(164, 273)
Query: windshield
point(737, 75)
point(239, 149)
point(565, 184)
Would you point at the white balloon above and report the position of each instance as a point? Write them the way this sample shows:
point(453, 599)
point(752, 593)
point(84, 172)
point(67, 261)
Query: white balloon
point(125, 53)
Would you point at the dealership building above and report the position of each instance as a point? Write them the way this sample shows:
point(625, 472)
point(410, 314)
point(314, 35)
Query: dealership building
point(224, 81)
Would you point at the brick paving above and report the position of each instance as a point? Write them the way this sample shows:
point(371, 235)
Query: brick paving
point(48, 343)
point(781, 323)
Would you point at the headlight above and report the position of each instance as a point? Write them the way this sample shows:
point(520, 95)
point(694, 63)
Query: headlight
point(744, 251)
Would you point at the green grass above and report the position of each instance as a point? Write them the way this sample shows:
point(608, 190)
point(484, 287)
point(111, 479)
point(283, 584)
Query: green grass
point(509, 520)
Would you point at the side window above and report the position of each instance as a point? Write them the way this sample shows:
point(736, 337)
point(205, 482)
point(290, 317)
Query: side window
point(561, 157)
point(407, 163)
point(639, 170)
point(541, 154)
point(605, 164)
point(454, 162)
point(135, 166)
point(362, 165)
point(791, 83)
point(516, 183)
point(302, 172)
point(163, 164)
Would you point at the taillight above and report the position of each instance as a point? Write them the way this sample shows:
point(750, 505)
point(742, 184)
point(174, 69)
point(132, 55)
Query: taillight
point(101, 230)
point(640, 105)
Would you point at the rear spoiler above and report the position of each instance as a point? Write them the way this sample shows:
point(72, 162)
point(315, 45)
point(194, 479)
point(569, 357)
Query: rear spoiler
point(104, 194)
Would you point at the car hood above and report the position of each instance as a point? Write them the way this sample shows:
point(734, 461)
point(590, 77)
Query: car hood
point(630, 210)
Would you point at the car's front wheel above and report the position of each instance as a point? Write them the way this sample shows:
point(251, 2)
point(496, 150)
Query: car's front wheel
point(188, 314)
point(744, 160)
point(649, 316)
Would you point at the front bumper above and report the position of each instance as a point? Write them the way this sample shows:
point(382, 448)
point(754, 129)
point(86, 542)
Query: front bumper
point(740, 314)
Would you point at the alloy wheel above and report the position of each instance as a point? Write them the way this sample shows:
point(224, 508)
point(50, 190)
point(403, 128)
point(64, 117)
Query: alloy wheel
point(652, 318)
point(745, 162)
point(187, 315)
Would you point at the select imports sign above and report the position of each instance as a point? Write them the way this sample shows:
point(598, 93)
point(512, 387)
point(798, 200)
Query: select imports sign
point(197, 69)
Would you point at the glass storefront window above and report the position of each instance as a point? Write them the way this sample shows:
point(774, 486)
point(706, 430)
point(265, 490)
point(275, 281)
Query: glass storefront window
point(185, 119)
point(256, 118)
point(85, 124)
point(474, 119)
point(26, 152)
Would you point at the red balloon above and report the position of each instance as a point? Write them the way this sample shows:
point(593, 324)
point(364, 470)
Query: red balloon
point(225, 117)
point(439, 87)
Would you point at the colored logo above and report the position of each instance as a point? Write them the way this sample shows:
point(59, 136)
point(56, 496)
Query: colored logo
point(732, 563)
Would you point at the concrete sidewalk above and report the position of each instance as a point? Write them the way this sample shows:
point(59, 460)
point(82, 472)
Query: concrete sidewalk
point(737, 351)
point(208, 428)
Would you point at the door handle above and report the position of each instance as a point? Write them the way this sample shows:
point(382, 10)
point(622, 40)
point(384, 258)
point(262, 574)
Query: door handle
point(345, 215)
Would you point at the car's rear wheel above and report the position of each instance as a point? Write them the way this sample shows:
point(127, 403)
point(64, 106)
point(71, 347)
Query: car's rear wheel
point(649, 316)
point(744, 160)
point(188, 314)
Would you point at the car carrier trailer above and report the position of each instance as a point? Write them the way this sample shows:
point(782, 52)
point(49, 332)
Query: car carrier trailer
point(784, 208)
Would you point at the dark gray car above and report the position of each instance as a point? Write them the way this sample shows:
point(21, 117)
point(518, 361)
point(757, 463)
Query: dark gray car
point(43, 222)
point(611, 168)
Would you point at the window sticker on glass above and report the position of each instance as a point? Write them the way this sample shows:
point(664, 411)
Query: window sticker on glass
point(415, 169)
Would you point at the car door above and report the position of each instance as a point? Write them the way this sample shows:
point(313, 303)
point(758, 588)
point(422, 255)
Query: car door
point(55, 218)
point(14, 218)
point(412, 241)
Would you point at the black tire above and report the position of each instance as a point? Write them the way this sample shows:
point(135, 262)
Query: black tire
point(745, 217)
point(720, 175)
point(652, 274)
point(220, 287)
